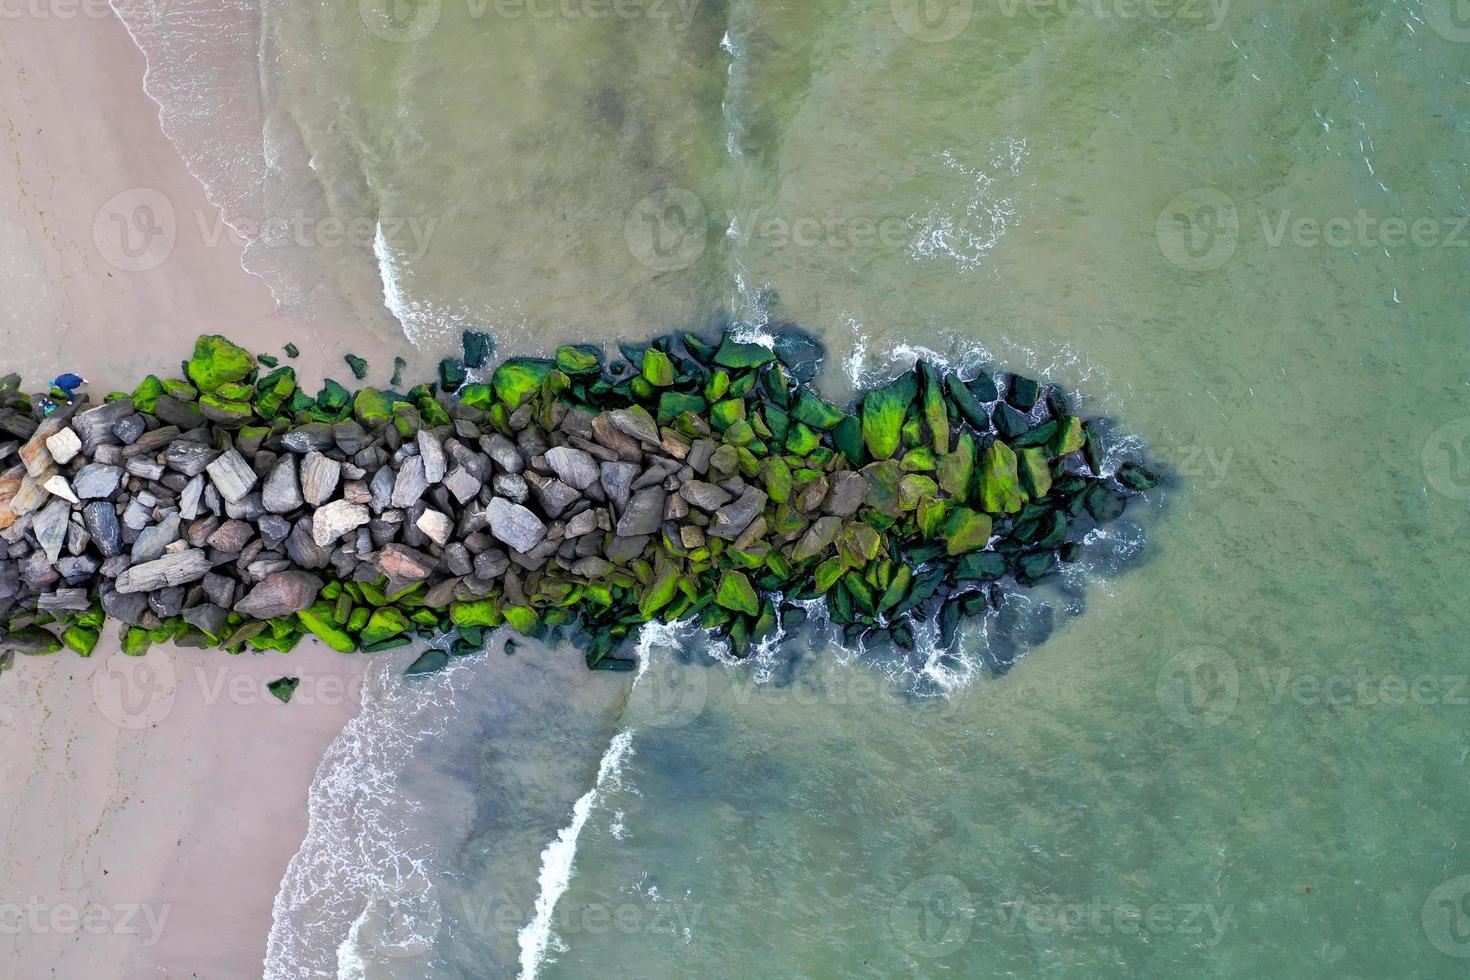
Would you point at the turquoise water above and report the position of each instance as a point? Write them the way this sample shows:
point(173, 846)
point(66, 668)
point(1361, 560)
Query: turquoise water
point(1238, 229)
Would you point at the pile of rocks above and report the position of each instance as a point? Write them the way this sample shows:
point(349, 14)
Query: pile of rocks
point(686, 479)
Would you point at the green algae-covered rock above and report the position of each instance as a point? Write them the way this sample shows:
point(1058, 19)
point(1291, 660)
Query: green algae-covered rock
point(283, 688)
point(883, 482)
point(726, 413)
point(1137, 477)
point(966, 530)
point(320, 621)
point(372, 408)
point(935, 410)
point(357, 365)
point(776, 477)
point(810, 408)
point(145, 396)
point(292, 351)
point(981, 566)
point(216, 361)
point(518, 379)
point(672, 404)
point(80, 639)
point(268, 360)
point(956, 469)
point(228, 414)
point(733, 354)
point(1069, 436)
point(913, 488)
point(737, 594)
point(384, 624)
point(181, 390)
point(333, 397)
point(579, 360)
point(658, 370)
point(847, 436)
point(1035, 472)
point(1000, 483)
point(273, 390)
point(884, 410)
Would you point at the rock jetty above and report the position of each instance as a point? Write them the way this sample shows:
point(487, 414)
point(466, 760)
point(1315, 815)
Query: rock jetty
point(685, 479)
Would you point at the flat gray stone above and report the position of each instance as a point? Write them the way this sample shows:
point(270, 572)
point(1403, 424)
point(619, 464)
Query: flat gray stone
point(335, 519)
point(154, 539)
point(170, 570)
point(732, 519)
point(192, 498)
point(188, 457)
point(64, 445)
point(706, 496)
point(503, 453)
point(410, 483)
point(514, 525)
point(96, 481)
point(436, 525)
point(282, 491)
point(512, 486)
point(101, 521)
point(49, 526)
point(463, 484)
point(617, 481)
point(94, 427)
point(644, 513)
point(574, 467)
point(431, 451)
point(231, 476)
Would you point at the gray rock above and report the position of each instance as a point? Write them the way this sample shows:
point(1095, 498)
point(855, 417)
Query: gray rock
point(139, 512)
point(167, 602)
point(280, 594)
point(514, 525)
point(101, 521)
point(273, 529)
point(231, 476)
point(125, 607)
point(583, 523)
point(644, 513)
point(457, 559)
point(281, 493)
point(635, 424)
point(620, 549)
point(207, 618)
point(57, 486)
point(732, 519)
point(706, 496)
point(410, 483)
point(145, 466)
point(319, 477)
point(818, 538)
point(175, 569)
point(591, 567)
point(77, 568)
point(503, 452)
point(94, 427)
point(37, 572)
point(491, 564)
point(431, 451)
point(381, 488)
point(153, 540)
point(512, 486)
point(247, 508)
point(96, 481)
point(350, 437)
point(49, 526)
point(220, 589)
point(64, 600)
point(179, 413)
point(129, 428)
point(188, 457)
point(846, 495)
point(335, 519)
point(574, 467)
point(554, 496)
point(463, 484)
point(313, 435)
point(34, 454)
point(303, 550)
point(617, 481)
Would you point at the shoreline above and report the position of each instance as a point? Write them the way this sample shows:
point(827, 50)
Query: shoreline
point(108, 824)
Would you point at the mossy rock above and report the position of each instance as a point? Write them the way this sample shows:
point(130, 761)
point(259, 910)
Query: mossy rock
point(966, 530)
point(582, 359)
point(956, 470)
point(357, 366)
point(965, 402)
point(1069, 436)
point(451, 373)
point(812, 410)
point(518, 380)
point(383, 624)
point(321, 622)
point(80, 639)
point(145, 396)
point(726, 413)
point(477, 348)
point(734, 354)
point(672, 404)
point(1035, 472)
point(884, 411)
point(658, 370)
point(429, 662)
point(935, 409)
point(283, 687)
point(737, 594)
point(227, 414)
point(1000, 483)
point(181, 390)
point(372, 408)
point(217, 361)
point(847, 437)
point(333, 397)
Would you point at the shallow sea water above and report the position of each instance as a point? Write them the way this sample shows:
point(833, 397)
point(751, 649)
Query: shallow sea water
point(1237, 228)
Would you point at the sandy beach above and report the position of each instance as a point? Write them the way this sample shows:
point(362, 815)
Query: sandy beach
point(152, 804)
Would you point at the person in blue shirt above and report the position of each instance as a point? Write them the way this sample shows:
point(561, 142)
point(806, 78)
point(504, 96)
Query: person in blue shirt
point(63, 390)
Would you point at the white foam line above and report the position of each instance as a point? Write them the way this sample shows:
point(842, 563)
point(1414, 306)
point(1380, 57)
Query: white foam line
point(558, 860)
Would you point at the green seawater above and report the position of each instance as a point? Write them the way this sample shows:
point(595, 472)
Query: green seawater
point(1239, 228)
